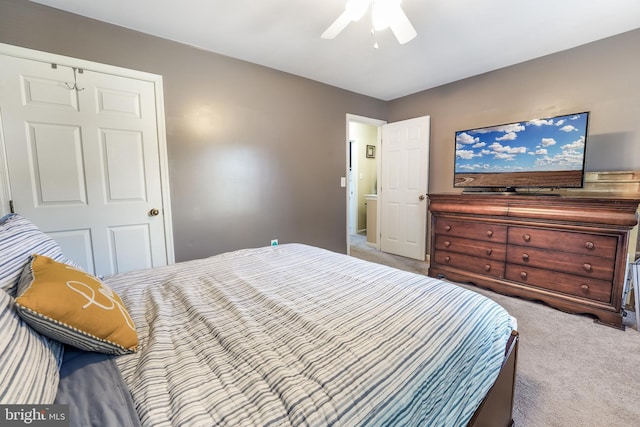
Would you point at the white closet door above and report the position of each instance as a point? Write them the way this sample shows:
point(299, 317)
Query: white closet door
point(83, 163)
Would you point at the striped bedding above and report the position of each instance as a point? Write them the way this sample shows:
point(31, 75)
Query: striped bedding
point(294, 335)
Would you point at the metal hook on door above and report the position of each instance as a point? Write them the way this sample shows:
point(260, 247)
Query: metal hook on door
point(75, 80)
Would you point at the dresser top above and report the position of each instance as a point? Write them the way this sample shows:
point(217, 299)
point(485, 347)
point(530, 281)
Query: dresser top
point(608, 210)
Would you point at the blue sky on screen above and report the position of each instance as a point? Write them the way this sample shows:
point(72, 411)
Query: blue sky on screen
point(554, 144)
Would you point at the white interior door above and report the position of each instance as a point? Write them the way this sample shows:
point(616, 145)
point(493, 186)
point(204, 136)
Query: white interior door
point(404, 176)
point(83, 163)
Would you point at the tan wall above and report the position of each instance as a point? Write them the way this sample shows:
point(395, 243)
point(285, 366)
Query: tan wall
point(254, 153)
point(601, 77)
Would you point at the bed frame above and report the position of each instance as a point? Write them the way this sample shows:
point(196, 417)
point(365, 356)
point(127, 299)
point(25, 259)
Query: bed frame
point(496, 410)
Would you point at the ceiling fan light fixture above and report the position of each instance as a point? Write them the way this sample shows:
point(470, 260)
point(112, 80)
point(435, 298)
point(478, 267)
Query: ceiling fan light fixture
point(356, 9)
point(384, 12)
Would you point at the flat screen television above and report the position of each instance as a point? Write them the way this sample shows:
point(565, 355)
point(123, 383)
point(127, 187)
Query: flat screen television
point(539, 153)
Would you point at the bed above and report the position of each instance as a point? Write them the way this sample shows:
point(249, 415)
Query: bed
point(292, 335)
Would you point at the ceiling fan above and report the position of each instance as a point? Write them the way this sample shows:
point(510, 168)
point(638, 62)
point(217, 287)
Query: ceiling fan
point(384, 14)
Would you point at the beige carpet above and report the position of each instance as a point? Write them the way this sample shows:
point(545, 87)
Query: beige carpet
point(571, 371)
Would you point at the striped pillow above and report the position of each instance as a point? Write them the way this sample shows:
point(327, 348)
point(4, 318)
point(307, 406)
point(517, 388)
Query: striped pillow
point(29, 362)
point(19, 239)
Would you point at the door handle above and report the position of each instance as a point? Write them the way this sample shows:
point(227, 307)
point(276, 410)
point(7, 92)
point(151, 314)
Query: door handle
point(421, 198)
point(154, 212)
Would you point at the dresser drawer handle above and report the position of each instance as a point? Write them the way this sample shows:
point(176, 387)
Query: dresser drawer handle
point(587, 267)
point(589, 245)
point(523, 275)
point(447, 243)
point(489, 233)
point(487, 267)
point(526, 237)
point(525, 257)
point(489, 251)
point(585, 288)
point(447, 259)
point(447, 228)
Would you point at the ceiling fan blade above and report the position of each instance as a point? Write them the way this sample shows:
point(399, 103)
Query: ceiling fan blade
point(402, 28)
point(337, 26)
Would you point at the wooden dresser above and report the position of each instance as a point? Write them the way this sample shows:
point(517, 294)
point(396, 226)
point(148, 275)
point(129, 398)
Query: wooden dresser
point(568, 251)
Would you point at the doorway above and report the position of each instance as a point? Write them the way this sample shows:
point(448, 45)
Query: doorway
point(83, 156)
point(387, 205)
point(363, 162)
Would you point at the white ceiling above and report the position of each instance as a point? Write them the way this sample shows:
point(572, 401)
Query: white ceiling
point(456, 38)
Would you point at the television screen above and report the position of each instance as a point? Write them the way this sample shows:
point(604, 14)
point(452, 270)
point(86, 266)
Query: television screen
point(541, 153)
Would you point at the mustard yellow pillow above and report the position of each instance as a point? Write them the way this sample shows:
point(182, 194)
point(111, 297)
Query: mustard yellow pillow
point(74, 307)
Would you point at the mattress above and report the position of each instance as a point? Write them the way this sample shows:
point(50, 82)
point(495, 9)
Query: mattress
point(295, 335)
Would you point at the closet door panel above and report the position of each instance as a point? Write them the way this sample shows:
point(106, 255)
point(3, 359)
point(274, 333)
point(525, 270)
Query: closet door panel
point(83, 160)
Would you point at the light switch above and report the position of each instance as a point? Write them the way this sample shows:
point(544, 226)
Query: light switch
point(343, 181)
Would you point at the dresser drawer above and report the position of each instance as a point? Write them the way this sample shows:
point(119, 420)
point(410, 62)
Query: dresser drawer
point(582, 265)
point(594, 289)
point(566, 241)
point(487, 267)
point(477, 248)
point(471, 230)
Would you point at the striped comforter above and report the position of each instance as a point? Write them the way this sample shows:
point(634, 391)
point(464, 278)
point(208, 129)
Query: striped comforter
point(296, 335)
